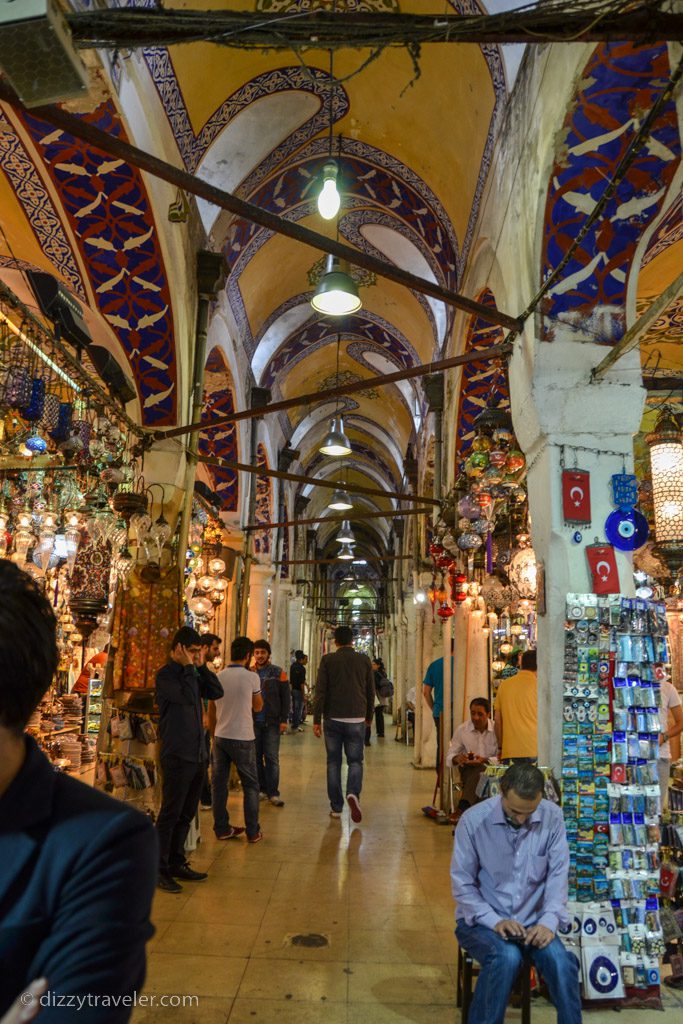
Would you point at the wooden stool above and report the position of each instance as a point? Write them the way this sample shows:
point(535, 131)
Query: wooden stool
point(468, 968)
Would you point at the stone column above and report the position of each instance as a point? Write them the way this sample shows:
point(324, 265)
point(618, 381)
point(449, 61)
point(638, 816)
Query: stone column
point(257, 614)
point(282, 640)
point(554, 404)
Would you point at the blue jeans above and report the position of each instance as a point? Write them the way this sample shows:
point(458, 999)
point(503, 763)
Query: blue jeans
point(350, 737)
point(499, 961)
point(242, 754)
point(297, 708)
point(268, 757)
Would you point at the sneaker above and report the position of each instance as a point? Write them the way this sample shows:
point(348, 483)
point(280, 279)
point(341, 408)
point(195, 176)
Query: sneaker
point(354, 807)
point(263, 796)
point(255, 839)
point(335, 814)
point(300, 729)
point(168, 884)
point(188, 874)
point(231, 833)
point(276, 801)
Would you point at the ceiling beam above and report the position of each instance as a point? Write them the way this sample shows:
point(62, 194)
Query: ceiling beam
point(635, 332)
point(336, 561)
point(248, 211)
point(279, 474)
point(317, 397)
point(351, 516)
point(134, 28)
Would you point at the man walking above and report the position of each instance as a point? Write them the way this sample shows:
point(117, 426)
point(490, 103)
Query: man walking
point(270, 722)
point(297, 681)
point(181, 685)
point(509, 875)
point(345, 698)
point(231, 725)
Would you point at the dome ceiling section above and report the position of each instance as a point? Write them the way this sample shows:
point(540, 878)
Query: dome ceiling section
point(660, 346)
point(248, 139)
point(364, 326)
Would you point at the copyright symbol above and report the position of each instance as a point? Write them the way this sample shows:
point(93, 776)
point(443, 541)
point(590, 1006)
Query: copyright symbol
point(26, 998)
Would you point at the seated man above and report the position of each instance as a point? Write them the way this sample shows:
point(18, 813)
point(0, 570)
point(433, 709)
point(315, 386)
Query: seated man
point(473, 746)
point(509, 878)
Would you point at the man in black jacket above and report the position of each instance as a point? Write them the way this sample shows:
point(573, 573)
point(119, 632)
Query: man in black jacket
point(345, 698)
point(181, 685)
point(77, 868)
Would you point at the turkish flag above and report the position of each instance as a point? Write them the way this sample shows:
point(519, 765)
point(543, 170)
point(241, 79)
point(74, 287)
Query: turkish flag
point(603, 567)
point(576, 496)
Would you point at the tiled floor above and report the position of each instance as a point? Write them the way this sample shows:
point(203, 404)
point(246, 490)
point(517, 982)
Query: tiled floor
point(378, 893)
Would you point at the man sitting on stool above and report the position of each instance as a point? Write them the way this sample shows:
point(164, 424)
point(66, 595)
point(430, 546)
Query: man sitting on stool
point(509, 879)
point(473, 746)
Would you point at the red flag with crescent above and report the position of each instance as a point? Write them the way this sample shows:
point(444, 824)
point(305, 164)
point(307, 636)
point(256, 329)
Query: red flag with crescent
point(603, 567)
point(576, 497)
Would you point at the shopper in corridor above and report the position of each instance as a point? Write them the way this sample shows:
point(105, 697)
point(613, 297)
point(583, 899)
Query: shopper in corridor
point(270, 722)
point(345, 699)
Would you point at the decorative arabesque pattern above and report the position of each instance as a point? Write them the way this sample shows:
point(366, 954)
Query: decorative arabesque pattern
point(362, 326)
point(482, 382)
point(264, 504)
point(220, 442)
point(619, 84)
point(111, 217)
point(38, 207)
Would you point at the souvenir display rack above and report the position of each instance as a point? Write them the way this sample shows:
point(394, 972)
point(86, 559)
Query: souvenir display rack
point(614, 660)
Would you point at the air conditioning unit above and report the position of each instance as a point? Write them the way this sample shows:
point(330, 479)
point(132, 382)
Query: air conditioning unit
point(36, 53)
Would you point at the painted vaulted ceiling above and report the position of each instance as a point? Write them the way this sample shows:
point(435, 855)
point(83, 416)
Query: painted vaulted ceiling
point(414, 141)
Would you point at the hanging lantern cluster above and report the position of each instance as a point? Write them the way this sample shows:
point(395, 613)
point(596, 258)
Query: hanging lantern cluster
point(492, 475)
point(206, 585)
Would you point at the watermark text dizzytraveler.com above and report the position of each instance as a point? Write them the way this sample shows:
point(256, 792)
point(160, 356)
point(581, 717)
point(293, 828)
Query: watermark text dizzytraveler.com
point(89, 999)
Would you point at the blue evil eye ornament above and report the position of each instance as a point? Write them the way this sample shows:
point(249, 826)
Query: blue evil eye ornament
point(577, 536)
point(36, 444)
point(626, 529)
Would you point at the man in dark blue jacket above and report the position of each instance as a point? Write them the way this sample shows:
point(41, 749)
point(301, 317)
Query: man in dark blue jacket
point(77, 868)
point(270, 722)
point(181, 685)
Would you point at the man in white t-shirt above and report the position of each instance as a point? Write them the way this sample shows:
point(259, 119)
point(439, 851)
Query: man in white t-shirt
point(231, 725)
point(473, 745)
point(671, 705)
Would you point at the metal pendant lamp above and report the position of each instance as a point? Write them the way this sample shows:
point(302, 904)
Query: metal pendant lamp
point(337, 292)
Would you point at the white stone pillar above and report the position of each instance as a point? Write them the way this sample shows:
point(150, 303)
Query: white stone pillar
point(282, 640)
point(294, 612)
point(554, 404)
point(260, 579)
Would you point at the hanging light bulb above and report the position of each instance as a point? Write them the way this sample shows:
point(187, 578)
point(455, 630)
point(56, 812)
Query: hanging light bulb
point(329, 199)
point(340, 501)
point(337, 292)
point(335, 442)
point(345, 535)
point(346, 554)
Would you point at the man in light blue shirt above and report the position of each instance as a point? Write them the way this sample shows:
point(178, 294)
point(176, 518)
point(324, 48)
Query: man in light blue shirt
point(509, 879)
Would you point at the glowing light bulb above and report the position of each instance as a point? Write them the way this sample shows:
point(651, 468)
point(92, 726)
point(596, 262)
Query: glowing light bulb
point(329, 199)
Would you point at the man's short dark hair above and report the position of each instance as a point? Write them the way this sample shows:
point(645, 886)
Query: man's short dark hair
point(529, 661)
point(481, 702)
point(299, 655)
point(526, 780)
point(28, 646)
point(188, 637)
point(343, 636)
point(241, 647)
point(263, 645)
point(210, 638)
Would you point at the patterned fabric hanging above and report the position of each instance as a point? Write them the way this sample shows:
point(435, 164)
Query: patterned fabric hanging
point(146, 615)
